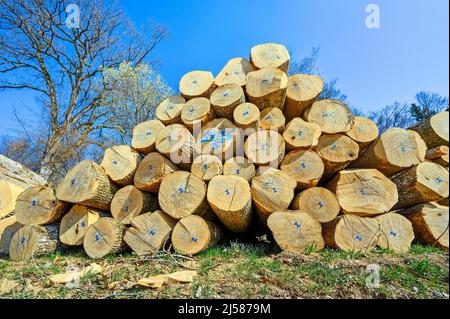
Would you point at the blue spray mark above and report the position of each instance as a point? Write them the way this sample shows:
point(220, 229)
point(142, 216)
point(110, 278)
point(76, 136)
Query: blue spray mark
point(227, 191)
point(238, 171)
point(23, 240)
point(439, 180)
point(33, 203)
point(97, 237)
point(152, 232)
point(194, 239)
point(364, 192)
point(393, 233)
point(149, 133)
point(321, 204)
point(73, 181)
point(181, 190)
point(150, 168)
point(359, 237)
point(300, 133)
point(83, 224)
point(126, 209)
point(297, 225)
point(245, 113)
point(302, 165)
point(274, 189)
point(115, 162)
point(205, 166)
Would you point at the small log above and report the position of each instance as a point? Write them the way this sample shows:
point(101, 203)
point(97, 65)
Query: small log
point(246, 116)
point(197, 111)
point(318, 202)
point(430, 223)
point(239, 166)
point(270, 55)
point(234, 72)
point(267, 88)
point(87, 184)
point(104, 237)
point(8, 227)
point(394, 151)
point(364, 131)
point(76, 222)
point(151, 171)
point(337, 152)
point(19, 175)
point(206, 167)
point(295, 231)
point(38, 205)
point(438, 155)
point(8, 196)
point(351, 233)
point(302, 92)
point(434, 131)
point(364, 192)
point(396, 232)
point(226, 98)
point(149, 233)
point(176, 143)
point(193, 234)
point(272, 119)
point(305, 166)
point(130, 202)
point(300, 134)
point(197, 84)
point(332, 116)
point(265, 147)
point(425, 182)
point(231, 200)
point(120, 162)
point(144, 136)
point(33, 241)
point(169, 110)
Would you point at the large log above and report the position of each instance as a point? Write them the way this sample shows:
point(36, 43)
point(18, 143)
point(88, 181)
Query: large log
point(239, 166)
point(265, 147)
point(193, 234)
point(38, 205)
point(295, 231)
point(300, 134)
point(226, 98)
point(152, 170)
point(197, 84)
point(8, 196)
point(425, 182)
point(332, 116)
point(364, 131)
point(104, 237)
point(8, 227)
point(270, 55)
point(318, 202)
point(130, 202)
point(438, 155)
point(234, 72)
point(197, 112)
point(246, 116)
point(267, 88)
point(149, 233)
point(434, 131)
point(120, 162)
point(272, 118)
point(176, 143)
point(394, 151)
point(302, 92)
point(19, 175)
point(33, 241)
point(305, 166)
point(87, 184)
point(231, 200)
point(206, 166)
point(396, 232)
point(144, 136)
point(169, 110)
point(364, 192)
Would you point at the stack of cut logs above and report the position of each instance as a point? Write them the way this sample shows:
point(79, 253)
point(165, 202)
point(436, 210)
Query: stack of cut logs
point(249, 149)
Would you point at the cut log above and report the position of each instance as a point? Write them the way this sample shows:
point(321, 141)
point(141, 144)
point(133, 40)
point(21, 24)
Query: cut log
point(337, 152)
point(176, 143)
point(169, 110)
point(149, 233)
point(76, 222)
point(8, 227)
point(351, 233)
point(318, 202)
point(267, 88)
point(197, 84)
point(120, 162)
point(19, 175)
point(239, 166)
point(38, 205)
point(130, 202)
point(295, 231)
point(434, 131)
point(364, 131)
point(332, 116)
point(151, 171)
point(364, 192)
point(394, 151)
point(193, 234)
point(144, 136)
point(305, 166)
point(438, 155)
point(425, 182)
point(265, 147)
point(396, 232)
point(104, 237)
point(206, 167)
point(234, 72)
point(272, 119)
point(300, 134)
point(197, 112)
point(430, 223)
point(87, 184)
point(246, 116)
point(182, 194)
point(226, 98)
point(270, 55)
point(33, 241)
point(8, 196)
point(443, 202)
point(231, 200)
point(302, 92)
point(272, 191)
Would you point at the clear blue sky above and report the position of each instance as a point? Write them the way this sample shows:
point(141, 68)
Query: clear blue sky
point(375, 67)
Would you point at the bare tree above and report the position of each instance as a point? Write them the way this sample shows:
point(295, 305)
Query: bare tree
point(38, 52)
point(394, 115)
point(428, 104)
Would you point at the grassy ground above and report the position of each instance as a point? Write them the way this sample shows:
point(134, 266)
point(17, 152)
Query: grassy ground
point(237, 270)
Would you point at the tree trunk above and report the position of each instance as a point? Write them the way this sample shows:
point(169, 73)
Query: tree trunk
point(206, 167)
point(265, 147)
point(234, 72)
point(144, 136)
point(120, 163)
point(438, 155)
point(364, 131)
point(226, 98)
point(239, 166)
point(8, 195)
point(18, 175)
point(318, 202)
point(8, 227)
point(104, 237)
point(267, 88)
point(332, 116)
point(152, 170)
point(300, 134)
point(197, 112)
point(272, 118)
point(305, 166)
point(270, 55)
point(169, 110)
point(396, 232)
point(197, 84)
point(434, 131)
point(246, 116)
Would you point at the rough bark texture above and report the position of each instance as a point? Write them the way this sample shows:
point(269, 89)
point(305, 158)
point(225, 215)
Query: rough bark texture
point(438, 155)
point(434, 131)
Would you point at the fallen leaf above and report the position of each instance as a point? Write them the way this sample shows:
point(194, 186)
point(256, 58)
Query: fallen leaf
point(184, 276)
point(7, 286)
point(72, 276)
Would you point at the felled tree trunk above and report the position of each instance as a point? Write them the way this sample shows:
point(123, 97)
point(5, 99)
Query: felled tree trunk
point(19, 175)
point(364, 131)
point(177, 144)
point(104, 237)
point(8, 195)
point(120, 162)
point(265, 147)
point(331, 115)
point(267, 88)
point(438, 155)
point(197, 112)
point(234, 72)
point(169, 110)
point(197, 84)
point(144, 136)
point(240, 166)
point(320, 203)
point(434, 131)
point(270, 55)
point(396, 232)
point(300, 134)
point(8, 227)
point(272, 118)
point(206, 167)
point(152, 170)
point(305, 166)
point(226, 98)
point(246, 116)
